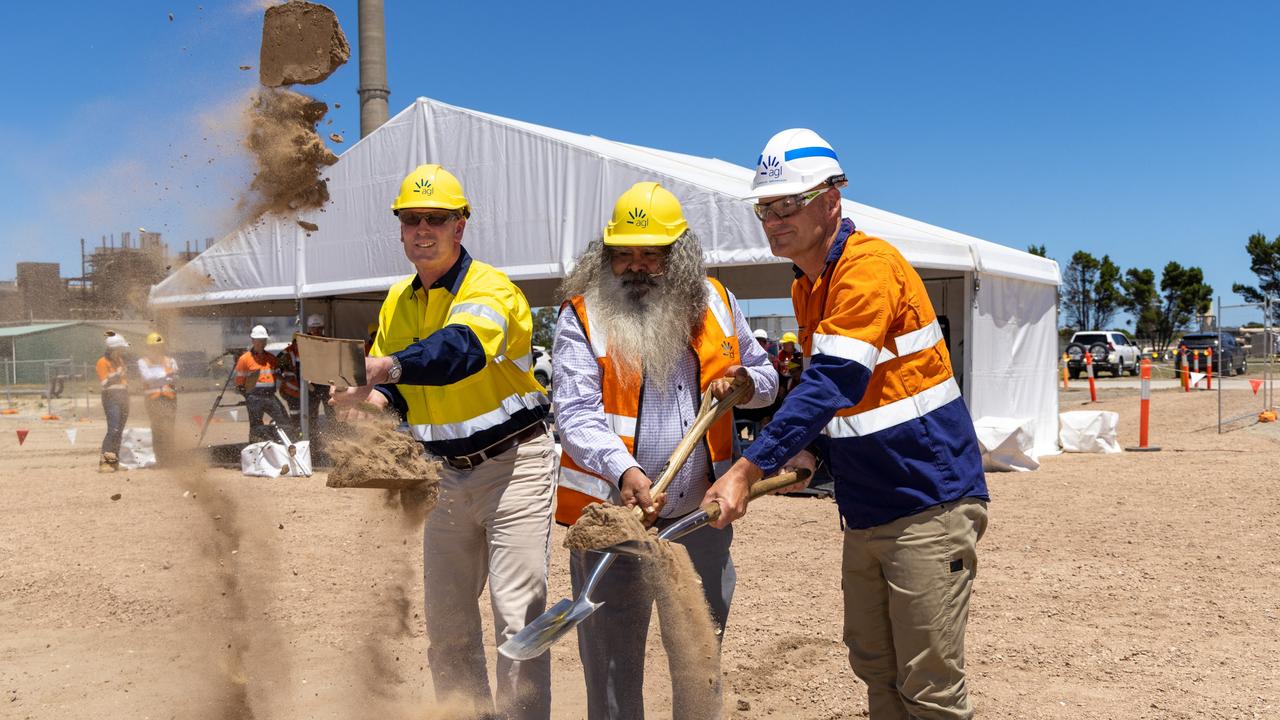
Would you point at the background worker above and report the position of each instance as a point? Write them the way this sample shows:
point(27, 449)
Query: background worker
point(897, 437)
point(291, 378)
point(642, 327)
point(453, 355)
point(159, 374)
point(788, 361)
point(115, 399)
point(257, 375)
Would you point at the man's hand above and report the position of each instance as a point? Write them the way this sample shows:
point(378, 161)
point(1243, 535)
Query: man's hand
point(732, 490)
point(635, 493)
point(721, 386)
point(377, 370)
point(356, 403)
point(803, 460)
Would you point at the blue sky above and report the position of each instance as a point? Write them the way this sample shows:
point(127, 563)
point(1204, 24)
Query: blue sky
point(1146, 130)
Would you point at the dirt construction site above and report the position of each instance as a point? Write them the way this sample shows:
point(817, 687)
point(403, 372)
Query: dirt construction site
point(1138, 585)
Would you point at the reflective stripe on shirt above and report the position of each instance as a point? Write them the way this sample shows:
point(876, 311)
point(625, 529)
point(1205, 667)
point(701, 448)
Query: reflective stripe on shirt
point(894, 413)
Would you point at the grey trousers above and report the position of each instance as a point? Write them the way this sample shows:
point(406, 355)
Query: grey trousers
point(611, 641)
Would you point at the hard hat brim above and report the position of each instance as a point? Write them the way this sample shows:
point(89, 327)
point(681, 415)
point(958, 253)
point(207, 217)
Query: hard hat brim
point(639, 240)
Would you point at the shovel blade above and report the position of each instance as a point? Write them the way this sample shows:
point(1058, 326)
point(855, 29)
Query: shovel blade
point(538, 636)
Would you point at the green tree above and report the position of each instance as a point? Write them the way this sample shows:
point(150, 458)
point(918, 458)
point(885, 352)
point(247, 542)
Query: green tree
point(1077, 290)
point(1141, 300)
point(544, 326)
point(1091, 291)
point(1107, 298)
point(1038, 250)
point(1183, 295)
point(1265, 263)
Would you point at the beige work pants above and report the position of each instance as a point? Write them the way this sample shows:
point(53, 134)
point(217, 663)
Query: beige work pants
point(492, 523)
point(906, 603)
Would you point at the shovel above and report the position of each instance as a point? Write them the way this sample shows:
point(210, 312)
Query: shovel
point(707, 514)
point(538, 636)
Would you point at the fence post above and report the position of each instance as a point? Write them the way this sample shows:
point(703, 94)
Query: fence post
point(1088, 366)
point(1144, 418)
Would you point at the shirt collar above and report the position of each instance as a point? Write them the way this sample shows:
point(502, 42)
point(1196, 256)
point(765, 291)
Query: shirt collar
point(452, 279)
point(846, 229)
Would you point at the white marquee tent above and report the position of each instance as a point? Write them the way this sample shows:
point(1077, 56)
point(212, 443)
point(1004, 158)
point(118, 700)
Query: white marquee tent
point(540, 194)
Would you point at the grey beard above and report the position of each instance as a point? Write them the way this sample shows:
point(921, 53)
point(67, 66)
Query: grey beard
point(650, 321)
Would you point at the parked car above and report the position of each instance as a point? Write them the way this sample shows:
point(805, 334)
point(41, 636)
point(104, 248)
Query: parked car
point(1227, 353)
point(542, 366)
point(1112, 352)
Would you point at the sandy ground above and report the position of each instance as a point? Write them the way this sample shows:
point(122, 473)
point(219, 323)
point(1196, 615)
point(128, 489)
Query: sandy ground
point(1126, 586)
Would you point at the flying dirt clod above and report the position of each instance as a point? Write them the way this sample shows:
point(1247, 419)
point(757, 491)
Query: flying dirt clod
point(302, 43)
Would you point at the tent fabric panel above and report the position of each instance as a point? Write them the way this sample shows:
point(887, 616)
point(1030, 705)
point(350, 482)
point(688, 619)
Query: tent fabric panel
point(1013, 355)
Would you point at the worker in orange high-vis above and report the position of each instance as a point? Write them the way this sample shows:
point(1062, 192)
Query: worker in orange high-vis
point(876, 401)
point(115, 399)
point(642, 333)
point(257, 377)
point(159, 374)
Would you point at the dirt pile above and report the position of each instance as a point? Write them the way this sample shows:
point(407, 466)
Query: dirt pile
point(372, 453)
point(302, 42)
point(603, 525)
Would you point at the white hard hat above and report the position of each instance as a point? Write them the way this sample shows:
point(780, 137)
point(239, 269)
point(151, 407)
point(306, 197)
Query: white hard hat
point(258, 333)
point(761, 334)
point(792, 162)
point(115, 341)
point(316, 320)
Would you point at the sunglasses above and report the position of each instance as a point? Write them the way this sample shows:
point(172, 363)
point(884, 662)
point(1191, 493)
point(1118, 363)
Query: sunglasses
point(433, 219)
point(787, 206)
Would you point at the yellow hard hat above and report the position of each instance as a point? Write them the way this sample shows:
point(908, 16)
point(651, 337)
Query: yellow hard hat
point(155, 338)
point(789, 337)
point(646, 215)
point(431, 186)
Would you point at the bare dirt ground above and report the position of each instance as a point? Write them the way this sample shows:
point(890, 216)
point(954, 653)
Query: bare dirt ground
point(1124, 586)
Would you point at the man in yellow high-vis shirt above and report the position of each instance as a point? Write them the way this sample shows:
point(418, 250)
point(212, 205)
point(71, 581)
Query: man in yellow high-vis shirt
point(453, 356)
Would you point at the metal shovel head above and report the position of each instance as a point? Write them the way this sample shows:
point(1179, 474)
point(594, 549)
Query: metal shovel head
point(538, 636)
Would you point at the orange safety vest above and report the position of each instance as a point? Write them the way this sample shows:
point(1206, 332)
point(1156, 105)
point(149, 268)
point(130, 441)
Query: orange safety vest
point(717, 349)
point(157, 378)
point(111, 375)
point(263, 372)
point(289, 380)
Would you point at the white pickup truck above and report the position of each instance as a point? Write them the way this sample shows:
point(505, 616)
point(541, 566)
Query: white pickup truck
point(1112, 352)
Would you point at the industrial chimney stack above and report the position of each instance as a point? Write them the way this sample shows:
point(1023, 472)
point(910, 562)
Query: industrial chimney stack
point(373, 67)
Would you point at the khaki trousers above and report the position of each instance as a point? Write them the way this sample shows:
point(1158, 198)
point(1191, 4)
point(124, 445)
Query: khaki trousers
point(492, 523)
point(906, 603)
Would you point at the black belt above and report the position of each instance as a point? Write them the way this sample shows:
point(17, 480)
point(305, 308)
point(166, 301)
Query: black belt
point(470, 462)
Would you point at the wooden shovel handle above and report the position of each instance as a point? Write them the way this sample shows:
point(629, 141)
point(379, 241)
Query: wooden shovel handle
point(764, 487)
point(710, 411)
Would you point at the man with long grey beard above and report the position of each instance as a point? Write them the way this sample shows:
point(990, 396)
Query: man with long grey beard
point(642, 333)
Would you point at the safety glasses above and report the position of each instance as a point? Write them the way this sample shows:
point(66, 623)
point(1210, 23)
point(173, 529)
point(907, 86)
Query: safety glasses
point(435, 219)
point(787, 206)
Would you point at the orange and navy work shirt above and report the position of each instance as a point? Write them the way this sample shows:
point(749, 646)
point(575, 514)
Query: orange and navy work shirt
point(257, 373)
point(876, 398)
point(111, 374)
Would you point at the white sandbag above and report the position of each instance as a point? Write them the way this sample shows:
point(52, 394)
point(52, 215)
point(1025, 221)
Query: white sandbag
point(271, 459)
point(1088, 431)
point(135, 449)
point(1007, 443)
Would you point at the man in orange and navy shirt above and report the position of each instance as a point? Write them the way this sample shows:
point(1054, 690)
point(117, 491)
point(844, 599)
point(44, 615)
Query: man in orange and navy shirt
point(877, 401)
point(257, 375)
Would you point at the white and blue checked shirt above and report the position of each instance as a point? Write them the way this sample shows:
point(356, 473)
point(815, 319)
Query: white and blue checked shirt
point(664, 418)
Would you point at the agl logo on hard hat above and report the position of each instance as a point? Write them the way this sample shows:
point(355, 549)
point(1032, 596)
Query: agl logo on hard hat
point(424, 187)
point(638, 218)
point(770, 167)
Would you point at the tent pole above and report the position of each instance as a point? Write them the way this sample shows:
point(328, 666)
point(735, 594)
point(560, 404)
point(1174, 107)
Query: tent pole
point(304, 391)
